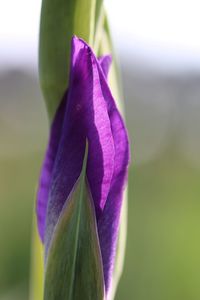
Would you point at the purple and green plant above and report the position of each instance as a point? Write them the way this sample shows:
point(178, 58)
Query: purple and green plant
point(81, 194)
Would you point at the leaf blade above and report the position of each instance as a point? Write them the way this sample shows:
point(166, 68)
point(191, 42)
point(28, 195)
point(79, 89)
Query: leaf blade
point(74, 255)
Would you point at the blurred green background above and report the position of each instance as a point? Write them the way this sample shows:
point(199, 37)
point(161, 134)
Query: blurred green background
point(163, 248)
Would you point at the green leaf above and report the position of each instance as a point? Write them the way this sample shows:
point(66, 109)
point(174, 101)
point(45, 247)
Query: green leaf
point(121, 246)
point(99, 25)
point(37, 265)
point(98, 12)
point(105, 47)
point(74, 266)
point(60, 20)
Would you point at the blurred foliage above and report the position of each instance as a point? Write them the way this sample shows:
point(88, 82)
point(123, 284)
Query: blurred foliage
point(18, 178)
point(162, 257)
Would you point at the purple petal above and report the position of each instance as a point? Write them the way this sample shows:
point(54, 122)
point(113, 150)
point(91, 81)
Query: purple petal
point(108, 224)
point(86, 116)
point(47, 168)
point(54, 139)
point(105, 62)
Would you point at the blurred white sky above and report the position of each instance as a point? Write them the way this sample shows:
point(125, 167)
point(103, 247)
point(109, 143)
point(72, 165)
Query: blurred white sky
point(166, 33)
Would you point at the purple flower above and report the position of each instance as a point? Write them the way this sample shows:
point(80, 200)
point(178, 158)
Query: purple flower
point(88, 110)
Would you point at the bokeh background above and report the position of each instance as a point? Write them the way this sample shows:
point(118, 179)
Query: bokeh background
point(158, 46)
